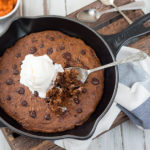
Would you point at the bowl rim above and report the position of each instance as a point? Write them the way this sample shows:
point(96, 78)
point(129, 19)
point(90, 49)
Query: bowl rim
point(12, 11)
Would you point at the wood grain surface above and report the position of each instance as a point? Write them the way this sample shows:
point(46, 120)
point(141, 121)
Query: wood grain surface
point(108, 24)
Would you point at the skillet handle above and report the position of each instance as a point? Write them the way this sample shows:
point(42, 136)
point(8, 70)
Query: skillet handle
point(136, 29)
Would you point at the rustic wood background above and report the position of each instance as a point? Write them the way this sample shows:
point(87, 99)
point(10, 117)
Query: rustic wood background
point(125, 136)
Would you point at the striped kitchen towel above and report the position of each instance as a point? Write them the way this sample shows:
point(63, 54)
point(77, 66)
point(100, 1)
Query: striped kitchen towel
point(133, 98)
point(133, 95)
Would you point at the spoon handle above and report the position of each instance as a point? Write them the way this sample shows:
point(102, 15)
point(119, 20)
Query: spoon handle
point(135, 57)
point(128, 19)
point(130, 6)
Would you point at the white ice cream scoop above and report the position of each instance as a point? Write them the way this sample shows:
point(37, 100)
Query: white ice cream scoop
point(38, 73)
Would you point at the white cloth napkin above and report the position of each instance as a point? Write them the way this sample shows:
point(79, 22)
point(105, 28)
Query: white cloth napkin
point(132, 97)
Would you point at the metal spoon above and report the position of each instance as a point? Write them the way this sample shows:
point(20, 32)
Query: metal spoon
point(83, 73)
point(92, 15)
point(111, 2)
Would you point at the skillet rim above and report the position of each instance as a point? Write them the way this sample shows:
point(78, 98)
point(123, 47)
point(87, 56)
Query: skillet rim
point(101, 115)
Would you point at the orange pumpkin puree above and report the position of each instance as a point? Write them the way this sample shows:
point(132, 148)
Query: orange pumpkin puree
point(6, 6)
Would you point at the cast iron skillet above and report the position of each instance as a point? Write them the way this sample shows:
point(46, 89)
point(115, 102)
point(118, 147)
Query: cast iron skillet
point(106, 48)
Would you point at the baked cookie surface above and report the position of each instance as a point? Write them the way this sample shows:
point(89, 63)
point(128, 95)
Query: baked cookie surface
point(33, 112)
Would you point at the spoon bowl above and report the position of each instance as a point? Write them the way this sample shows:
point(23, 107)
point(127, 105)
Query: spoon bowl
point(92, 15)
point(89, 15)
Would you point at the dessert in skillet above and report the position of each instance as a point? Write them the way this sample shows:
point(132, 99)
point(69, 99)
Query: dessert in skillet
point(37, 91)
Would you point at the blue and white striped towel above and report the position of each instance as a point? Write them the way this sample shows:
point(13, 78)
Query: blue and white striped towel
point(133, 97)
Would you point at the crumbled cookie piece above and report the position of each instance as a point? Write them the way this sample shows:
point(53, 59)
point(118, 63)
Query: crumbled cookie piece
point(65, 91)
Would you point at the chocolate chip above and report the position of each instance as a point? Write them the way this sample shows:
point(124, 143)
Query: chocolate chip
point(75, 87)
point(76, 100)
point(42, 45)
point(78, 92)
point(83, 52)
point(51, 38)
point(47, 117)
point(47, 100)
point(8, 98)
point(14, 66)
point(36, 94)
point(21, 63)
point(15, 72)
point(9, 81)
point(34, 40)
point(67, 65)
point(33, 50)
point(18, 55)
point(92, 53)
point(24, 103)
point(95, 81)
point(79, 110)
point(49, 51)
point(32, 114)
point(84, 90)
point(20, 90)
point(77, 60)
point(62, 47)
point(47, 36)
point(67, 56)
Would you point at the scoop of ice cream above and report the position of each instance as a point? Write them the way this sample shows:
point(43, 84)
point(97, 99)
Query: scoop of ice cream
point(38, 73)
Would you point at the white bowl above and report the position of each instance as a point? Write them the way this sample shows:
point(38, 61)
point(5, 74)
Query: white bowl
point(12, 12)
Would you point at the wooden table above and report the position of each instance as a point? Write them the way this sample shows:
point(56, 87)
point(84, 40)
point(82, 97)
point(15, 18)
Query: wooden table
point(108, 24)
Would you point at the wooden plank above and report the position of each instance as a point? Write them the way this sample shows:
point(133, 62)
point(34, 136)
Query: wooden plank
point(3, 142)
point(45, 8)
point(120, 24)
point(106, 18)
point(109, 141)
point(32, 8)
point(27, 143)
point(143, 44)
point(56, 7)
point(130, 134)
point(19, 13)
point(147, 139)
point(120, 119)
point(46, 145)
point(73, 5)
